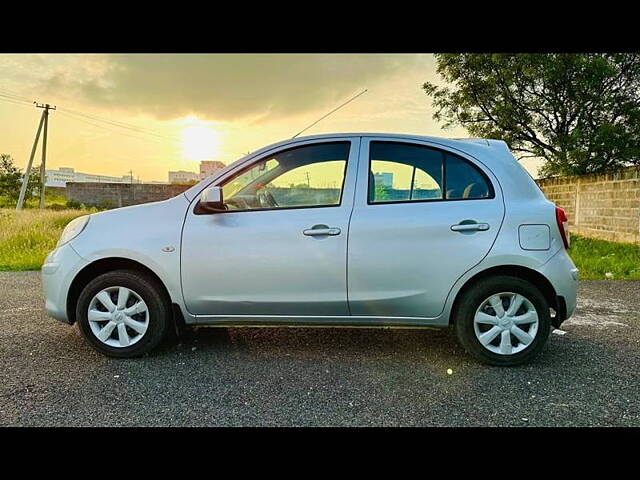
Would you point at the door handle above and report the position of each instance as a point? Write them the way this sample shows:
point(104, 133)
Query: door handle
point(321, 230)
point(468, 227)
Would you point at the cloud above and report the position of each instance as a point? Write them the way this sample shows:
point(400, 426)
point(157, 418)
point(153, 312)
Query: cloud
point(215, 87)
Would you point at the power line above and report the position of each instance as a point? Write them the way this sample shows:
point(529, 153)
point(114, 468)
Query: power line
point(119, 124)
point(97, 117)
point(19, 99)
point(8, 94)
point(17, 102)
point(138, 137)
point(120, 132)
point(11, 97)
point(115, 124)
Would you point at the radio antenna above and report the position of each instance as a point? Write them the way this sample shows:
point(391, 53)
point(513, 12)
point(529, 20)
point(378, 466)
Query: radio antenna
point(325, 116)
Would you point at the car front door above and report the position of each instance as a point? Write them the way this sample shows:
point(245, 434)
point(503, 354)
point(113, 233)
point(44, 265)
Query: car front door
point(422, 217)
point(280, 247)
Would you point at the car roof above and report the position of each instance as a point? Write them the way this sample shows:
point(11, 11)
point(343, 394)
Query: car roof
point(481, 148)
point(408, 136)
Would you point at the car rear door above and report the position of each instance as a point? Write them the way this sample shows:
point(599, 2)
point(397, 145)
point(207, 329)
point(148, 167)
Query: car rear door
point(423, 215)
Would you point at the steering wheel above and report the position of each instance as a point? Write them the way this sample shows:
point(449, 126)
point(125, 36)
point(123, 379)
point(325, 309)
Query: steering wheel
point(265, 198)
point(237, 203)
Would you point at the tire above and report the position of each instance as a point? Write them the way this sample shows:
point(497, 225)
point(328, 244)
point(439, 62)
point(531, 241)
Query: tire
point(470, 329)
point(151, 324)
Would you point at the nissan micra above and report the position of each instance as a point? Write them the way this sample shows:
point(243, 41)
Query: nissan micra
point(373, 230)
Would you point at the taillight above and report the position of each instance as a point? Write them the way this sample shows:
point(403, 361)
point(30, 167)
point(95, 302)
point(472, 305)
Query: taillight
point(563, 226)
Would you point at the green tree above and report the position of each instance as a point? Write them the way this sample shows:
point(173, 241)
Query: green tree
point(580, 113)
point(382, 192)
point(11, 180)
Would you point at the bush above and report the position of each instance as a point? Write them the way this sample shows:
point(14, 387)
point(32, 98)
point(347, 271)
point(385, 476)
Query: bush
point(74, 205)
point(57, 206)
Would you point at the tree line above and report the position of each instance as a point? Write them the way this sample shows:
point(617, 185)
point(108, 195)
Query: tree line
point(11, 181)
point(579, 113)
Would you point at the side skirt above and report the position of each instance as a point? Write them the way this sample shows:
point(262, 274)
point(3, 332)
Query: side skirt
point(309, 321)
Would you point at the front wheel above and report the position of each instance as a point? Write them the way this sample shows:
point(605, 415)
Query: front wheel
point(123, 313)
point(503, 321)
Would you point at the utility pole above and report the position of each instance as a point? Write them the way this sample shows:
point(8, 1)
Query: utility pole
point(132, 189)
point(43, 165)
point(44, 121)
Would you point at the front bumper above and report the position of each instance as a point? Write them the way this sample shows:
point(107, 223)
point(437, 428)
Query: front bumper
point(58, 271)
point(563, 275)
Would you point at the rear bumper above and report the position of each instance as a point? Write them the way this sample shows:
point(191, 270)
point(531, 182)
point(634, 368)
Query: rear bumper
point(58, 271)
point(563, 275)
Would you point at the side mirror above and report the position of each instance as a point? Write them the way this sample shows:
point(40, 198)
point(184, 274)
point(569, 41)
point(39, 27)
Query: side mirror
point(211, 200)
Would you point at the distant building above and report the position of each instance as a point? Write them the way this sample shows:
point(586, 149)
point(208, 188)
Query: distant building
point(60, 177)
point(183, 176)
point(209, 167)
point(384, 178)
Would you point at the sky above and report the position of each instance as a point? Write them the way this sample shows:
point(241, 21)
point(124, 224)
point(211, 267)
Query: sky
point(153, 113)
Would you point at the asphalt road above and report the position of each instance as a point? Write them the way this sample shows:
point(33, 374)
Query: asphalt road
point(295, 376)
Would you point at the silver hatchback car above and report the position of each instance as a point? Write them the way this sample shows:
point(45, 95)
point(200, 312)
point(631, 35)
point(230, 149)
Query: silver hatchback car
point(360, 229)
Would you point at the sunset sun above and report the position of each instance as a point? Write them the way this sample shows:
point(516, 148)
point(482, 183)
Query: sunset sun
point(199, 140)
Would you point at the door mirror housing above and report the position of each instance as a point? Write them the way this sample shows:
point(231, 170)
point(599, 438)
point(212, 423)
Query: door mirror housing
point(211, 200)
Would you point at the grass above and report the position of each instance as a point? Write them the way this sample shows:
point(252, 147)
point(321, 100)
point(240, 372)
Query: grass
point(52, 200)
point(598, 259)
point(26, 237)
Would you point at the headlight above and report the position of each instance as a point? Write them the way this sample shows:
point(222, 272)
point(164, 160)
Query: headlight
point(73, 229)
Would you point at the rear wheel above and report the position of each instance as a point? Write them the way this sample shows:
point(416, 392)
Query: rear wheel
point(123, 313)
point(502, 321)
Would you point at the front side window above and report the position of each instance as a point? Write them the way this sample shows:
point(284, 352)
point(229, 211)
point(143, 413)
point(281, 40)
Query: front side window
point(307, 176)
point(402, 172)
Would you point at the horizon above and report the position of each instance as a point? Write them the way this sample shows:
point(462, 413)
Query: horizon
point(155, 113)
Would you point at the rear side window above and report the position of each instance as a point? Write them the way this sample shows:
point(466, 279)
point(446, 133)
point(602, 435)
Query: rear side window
point(464, 181)
point(402, 172)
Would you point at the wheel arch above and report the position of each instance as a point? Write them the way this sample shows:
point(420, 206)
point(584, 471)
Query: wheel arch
point(532, 276)
point(104, 265)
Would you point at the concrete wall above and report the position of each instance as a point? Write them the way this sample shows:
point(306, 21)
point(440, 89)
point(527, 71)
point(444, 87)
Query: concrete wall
point(113, 195)
point(605, 206)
